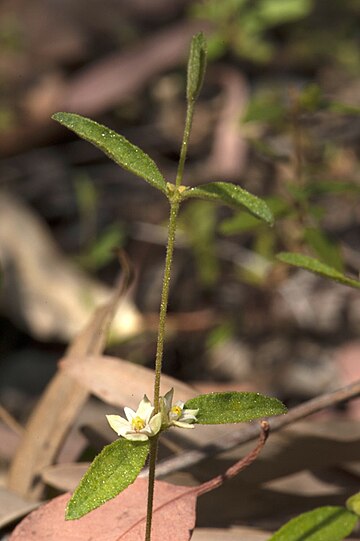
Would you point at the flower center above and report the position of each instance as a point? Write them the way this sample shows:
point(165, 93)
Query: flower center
point(138, 424)
point(176, 410)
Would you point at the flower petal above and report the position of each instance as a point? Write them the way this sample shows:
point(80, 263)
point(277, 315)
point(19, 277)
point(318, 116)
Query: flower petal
point(130, 414)
point(191, 412)
point(119, 424)
point(168, 398)
point(180, 403)
point(136, 436)
point(184, 424)
point(155, 423)
point(145, 409)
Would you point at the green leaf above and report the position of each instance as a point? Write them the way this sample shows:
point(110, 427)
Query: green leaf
point(114, 469)
point(322, 524)
point(327, 250)
point(196, 66)
point(199, 222)
point(313, 265)
point(243, 221)
point(353, 504)
point(230, 194)
point(275, 12)
point(101, 251)
point(234, 407)
point(115, 146)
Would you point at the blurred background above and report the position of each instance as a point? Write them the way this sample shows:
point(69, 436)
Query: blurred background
point(278, 114)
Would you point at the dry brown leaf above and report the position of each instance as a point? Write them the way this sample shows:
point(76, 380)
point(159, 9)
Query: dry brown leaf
point(64, 477)
point(41, 289)
point(12, 507)
point(118, 382)
point(58, 407)
point(125, 516)
point(120, 519)
point(230, 148)
point(111, 79)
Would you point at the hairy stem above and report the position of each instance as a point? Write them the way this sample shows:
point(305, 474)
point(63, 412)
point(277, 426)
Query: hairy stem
point(185, 142)
point(151, 485)
point(174, 209)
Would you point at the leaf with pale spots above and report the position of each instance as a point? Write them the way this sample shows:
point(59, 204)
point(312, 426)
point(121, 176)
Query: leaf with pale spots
point(115, 146)
point(232, 195)
point(113, 470)
point(234, 407)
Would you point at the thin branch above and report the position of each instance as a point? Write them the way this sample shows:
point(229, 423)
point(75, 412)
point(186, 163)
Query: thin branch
point(236, 468)
point(10, 421)
point(250, 431)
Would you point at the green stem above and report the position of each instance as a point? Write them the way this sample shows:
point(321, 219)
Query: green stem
point(175, 200)
point(185, 142)
point(151, 485)
point(174, 209)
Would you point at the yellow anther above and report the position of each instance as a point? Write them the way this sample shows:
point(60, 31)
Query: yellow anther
point(176, 410)
point(138, 424)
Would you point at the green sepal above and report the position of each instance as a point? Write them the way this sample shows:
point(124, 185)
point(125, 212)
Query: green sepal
point(324, 523)
point(196, 66)
point(313, 265)
point(353, 504)
point(234, 407)
point(115, 146)
point(114, 469)
point(230, 194)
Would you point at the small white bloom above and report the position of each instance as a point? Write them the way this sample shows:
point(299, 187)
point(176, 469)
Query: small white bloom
point(139, 425)
point(176, 414)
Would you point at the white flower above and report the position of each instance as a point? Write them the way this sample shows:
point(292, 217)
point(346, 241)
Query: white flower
point(176, 414)
point(139, 425)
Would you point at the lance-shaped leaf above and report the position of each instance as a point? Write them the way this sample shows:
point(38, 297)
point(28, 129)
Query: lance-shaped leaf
point(114, 469)
point(313, 265)
point(325, 523)
point(196, 66)
point(353, 504)
point(119, 149)
point(234, 407)
point(230, 194)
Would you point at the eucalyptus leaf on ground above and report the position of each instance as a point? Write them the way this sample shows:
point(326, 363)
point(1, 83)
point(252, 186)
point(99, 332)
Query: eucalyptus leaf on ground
point(322, 524)
point(233, 195)
point(115, 146)
point(122, 518)
point(113, 470)
point(313, 265)
point(234, 407)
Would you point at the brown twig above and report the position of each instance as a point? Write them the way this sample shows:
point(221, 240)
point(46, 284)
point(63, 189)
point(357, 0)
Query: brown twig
point(54, 414)
point(213, 483)
point(236, 468)
point(9, 420)
point(250, 431)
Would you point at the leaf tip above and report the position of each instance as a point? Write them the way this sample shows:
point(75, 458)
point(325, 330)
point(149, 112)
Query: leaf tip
point(196, 66)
